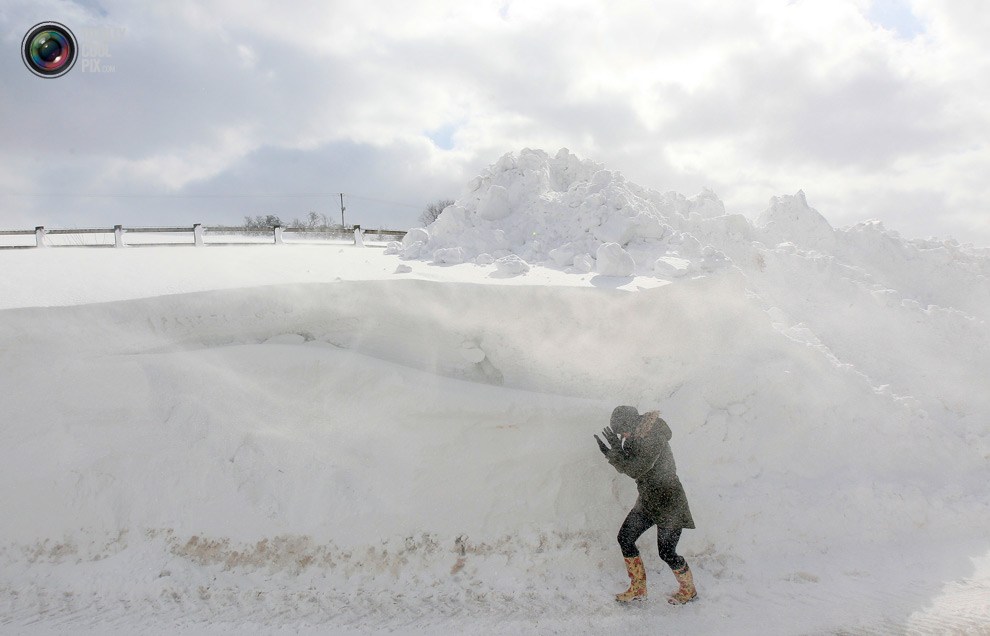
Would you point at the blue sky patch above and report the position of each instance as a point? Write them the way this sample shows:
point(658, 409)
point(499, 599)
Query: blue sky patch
point(443, 137)
point(896, 16)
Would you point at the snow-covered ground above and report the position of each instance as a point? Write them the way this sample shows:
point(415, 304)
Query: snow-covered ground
point(333, 439)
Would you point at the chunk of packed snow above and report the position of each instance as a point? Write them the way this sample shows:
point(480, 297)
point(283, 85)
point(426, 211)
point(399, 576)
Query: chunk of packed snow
point(584, 263)
point(449, 255)
point(511, 265)
point(414, 249)
point(563, 255)
point(415, 243)
point(671, 266)
point(707, 205)
point(416, 235)
point(791, 219)
point(616, 228)
point(612, 260)
point(495, 204)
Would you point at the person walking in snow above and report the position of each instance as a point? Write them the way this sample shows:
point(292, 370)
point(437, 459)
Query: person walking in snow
point(637, 446)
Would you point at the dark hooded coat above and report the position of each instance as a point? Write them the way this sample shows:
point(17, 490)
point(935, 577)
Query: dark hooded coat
point(649, 460)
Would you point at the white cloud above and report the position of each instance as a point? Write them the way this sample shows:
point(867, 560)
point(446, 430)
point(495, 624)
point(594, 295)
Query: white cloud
point(754, 99)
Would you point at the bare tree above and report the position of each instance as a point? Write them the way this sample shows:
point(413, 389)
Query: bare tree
point(433, 211)
point(258, 222)
point(317, 221)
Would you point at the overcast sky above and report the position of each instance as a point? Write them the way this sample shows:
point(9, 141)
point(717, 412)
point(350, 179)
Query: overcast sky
point(875, 108)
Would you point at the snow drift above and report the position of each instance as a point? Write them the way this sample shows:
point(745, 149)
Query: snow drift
point(818, 284)
point(412, 450)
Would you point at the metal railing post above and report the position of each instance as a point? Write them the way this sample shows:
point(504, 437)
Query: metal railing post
point(39, 236)
point(198, 235)
point(118, 236)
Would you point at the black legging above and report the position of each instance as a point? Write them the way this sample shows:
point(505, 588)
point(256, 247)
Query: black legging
point(636, 524)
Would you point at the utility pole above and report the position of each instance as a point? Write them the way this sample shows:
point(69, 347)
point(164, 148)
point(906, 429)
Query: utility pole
point(342, 208)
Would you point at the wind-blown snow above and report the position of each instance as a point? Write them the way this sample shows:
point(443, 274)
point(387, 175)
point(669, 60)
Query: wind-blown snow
point(317, 439)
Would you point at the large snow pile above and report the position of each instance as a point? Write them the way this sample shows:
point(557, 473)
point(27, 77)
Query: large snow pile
point(571, 213)
point(575, 214)
point(926, 301)
point(306, 439)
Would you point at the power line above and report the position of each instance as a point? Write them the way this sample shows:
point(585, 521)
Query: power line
point(82, 195)
point(259, 195)
point(407, 205)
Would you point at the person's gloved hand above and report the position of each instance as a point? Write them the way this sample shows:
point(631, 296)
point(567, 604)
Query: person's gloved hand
point(611, 437)
point(602, 446)
point(613, 440)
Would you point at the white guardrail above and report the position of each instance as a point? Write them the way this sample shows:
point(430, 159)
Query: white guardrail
point(197, 235)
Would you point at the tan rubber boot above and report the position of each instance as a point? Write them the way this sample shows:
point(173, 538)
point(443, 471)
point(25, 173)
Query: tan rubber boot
point(637, 581)
point(687, 592)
